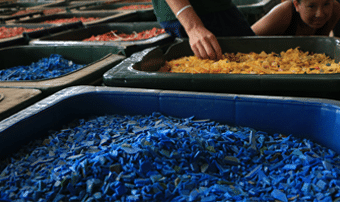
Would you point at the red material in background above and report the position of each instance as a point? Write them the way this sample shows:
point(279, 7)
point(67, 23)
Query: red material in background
point(6, 32)
point(74, 19)
point(135, 7)
point(112, 36)
point(46, 11)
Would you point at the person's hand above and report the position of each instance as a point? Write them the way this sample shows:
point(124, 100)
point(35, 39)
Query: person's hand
point(204, 44)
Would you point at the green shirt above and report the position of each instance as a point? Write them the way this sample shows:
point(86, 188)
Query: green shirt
point(164, 13)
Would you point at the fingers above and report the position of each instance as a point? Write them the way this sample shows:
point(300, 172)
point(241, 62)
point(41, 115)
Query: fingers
point(207, 48)
point(217, 49)
point(200, 50)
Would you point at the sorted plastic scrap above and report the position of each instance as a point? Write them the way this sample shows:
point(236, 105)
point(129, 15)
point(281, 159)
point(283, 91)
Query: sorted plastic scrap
point(6, 32)
point(135, 7)
point(113, 36)
point(22, 12)
point(292, 61)
point(49, 11)
point(109, 158)
point(54, 66)
point(69, 20)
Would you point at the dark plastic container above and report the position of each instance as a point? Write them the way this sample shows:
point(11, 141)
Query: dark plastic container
point(6, 10)
point(6, 2)
point(23, 5)
point(24, 38)
point(98, 59)
point(14, 7)
point(253, 10)
point(7, 19)
point(105, 17)
point(76, 37)
point(68, 5)
point(313, 119)
point(140, 70)
point(13, 100)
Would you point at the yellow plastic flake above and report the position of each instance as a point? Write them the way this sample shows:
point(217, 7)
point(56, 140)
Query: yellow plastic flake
point(293, 61)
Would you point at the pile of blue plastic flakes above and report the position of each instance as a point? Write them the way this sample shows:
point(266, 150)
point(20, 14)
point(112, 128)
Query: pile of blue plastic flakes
point(46, 68)
point(162, 158)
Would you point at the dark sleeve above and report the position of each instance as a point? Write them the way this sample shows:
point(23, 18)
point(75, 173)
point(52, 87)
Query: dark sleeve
point(336, 29)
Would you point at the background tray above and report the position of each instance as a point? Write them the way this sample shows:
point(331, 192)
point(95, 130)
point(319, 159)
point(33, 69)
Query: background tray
point(105, 17)
point(98, 59)
point(68, 5)
point(24, 38)
point(253, 10)
point(76, 37)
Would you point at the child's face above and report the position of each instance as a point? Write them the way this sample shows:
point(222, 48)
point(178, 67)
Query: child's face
point(315, 13)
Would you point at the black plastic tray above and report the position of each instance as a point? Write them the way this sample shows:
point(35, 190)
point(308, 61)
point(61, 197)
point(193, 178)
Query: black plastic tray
point(68, 5)
point(7, 10)
point(98, 59)
point(140, 70)
point(105, 17)
point(76, 37)
point(23, 5)
point(26, 6)
point(5, 2)
point(143, 14)
point(6, 19)
point(24, 38)
point(253, 10)
point(255, 6)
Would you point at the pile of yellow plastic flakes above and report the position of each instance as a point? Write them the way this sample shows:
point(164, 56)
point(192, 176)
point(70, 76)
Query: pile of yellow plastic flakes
point(293, 61)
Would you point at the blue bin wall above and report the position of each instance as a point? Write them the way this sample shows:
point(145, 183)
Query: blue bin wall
point(314, 119)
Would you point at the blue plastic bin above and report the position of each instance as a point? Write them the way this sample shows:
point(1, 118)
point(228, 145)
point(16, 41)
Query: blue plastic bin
point(314, 119)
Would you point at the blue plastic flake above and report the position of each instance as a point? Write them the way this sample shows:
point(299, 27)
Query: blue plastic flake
point(160, 158)
point(290, 167)
point(327, 165)
point(142, 182)
point(253, 172)
point(321, 184)
point(277, 194)
point(231, 160)
point(252, 142)
point(132, 198)
point(120, 190)
point(46, 68)
point(130, 150)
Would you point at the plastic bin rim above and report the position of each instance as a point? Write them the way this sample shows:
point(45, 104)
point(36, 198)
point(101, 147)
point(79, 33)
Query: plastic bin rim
point(75, 91)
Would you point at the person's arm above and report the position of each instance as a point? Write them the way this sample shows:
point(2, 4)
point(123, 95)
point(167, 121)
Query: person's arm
point(203, 43)
point(276, 21)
